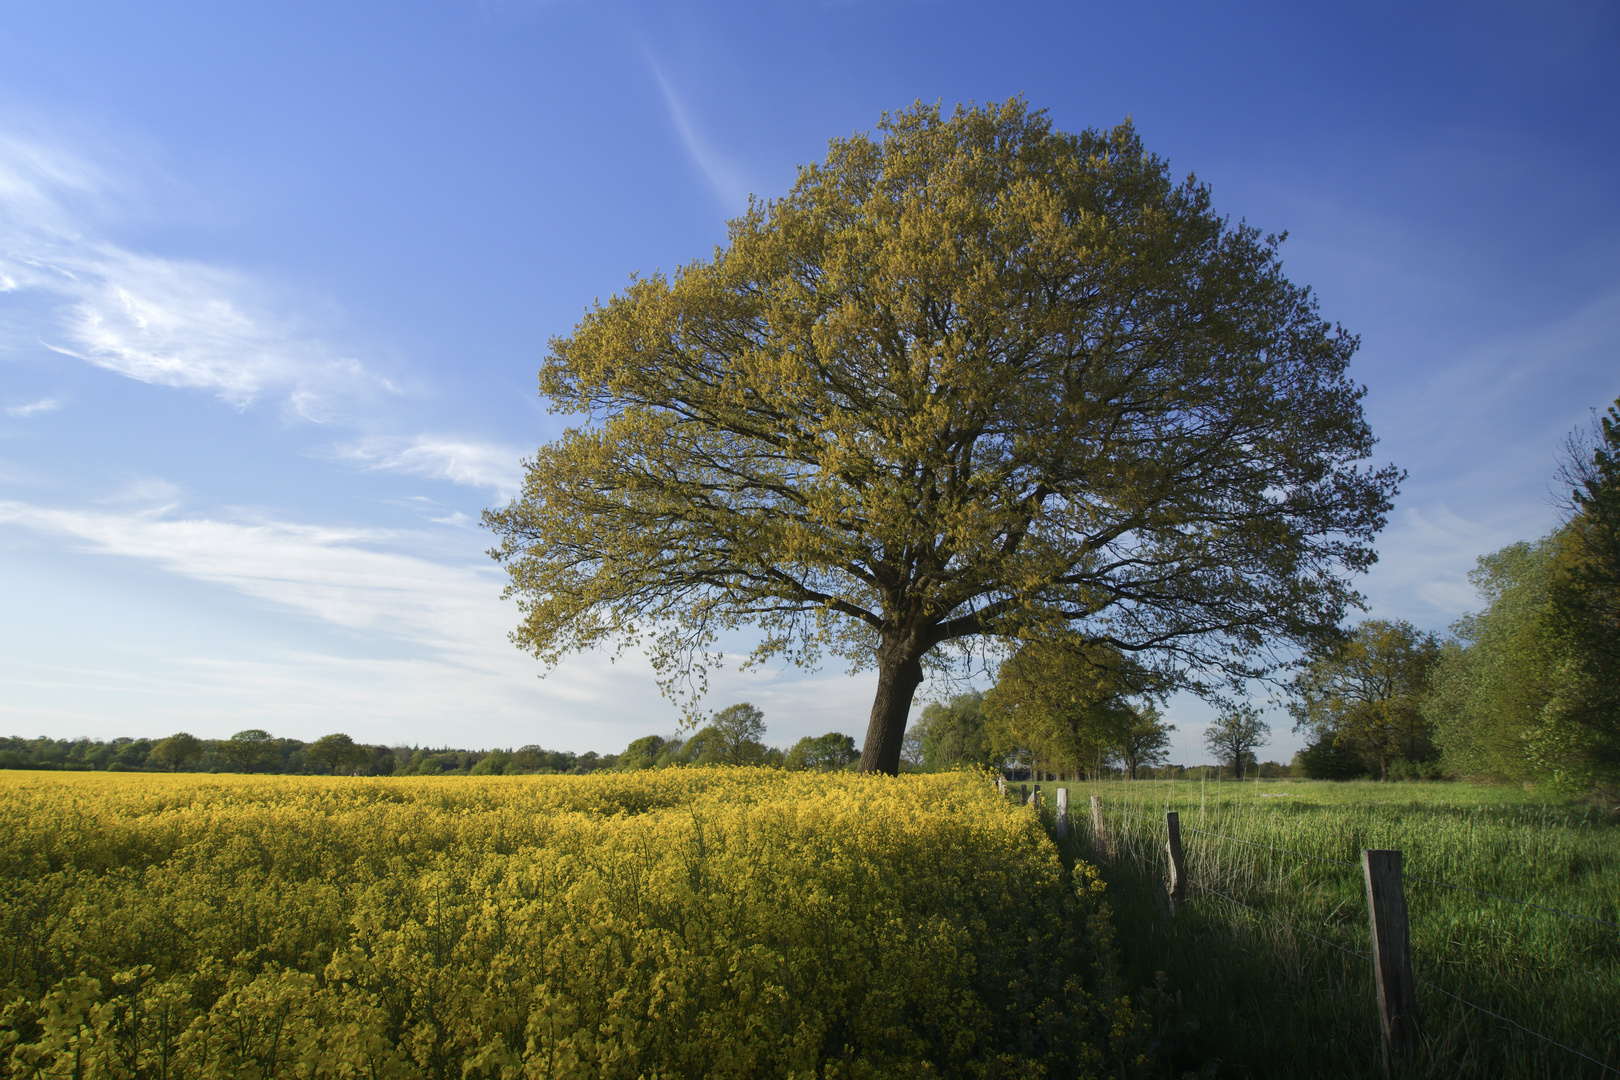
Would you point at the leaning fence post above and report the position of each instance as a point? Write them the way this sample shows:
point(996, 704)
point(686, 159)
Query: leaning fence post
point(1178, 870)
point(1100, 829)
point(1392, 956)
point(1062, 812)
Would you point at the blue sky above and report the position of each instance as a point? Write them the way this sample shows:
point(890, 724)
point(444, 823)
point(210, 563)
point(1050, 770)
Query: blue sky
point(275, 281)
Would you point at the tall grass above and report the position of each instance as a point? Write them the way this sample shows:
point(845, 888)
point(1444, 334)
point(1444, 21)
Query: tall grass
point(1264, 954)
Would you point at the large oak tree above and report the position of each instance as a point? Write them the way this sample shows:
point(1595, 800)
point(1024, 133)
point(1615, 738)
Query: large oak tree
point(971, 378)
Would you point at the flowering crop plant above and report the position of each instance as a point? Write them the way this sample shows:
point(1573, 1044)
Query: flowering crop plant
point(678, 923)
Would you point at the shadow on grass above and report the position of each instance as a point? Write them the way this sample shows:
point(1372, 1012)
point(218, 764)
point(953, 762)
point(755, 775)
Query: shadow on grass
point(1258, 997)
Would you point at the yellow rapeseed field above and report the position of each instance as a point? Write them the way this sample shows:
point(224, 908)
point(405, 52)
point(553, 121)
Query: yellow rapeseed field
point(678, 923)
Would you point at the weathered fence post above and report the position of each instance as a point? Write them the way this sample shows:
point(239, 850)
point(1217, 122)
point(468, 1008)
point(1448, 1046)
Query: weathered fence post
point(1035, 797)
point(1023, 794)
point(1001, 785)
point(1392, 956)
point(1100, 830)
point(1178, 869)
point(1063, 813)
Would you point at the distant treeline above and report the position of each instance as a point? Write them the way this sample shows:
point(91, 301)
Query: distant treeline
point(279, 755)
point(735, 737)
point(258, 751)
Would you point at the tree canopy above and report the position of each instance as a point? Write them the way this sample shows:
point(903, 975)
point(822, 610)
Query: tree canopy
point(178, 749)
point(952, 733)
point(971, 378)
point(1367, 692)
point(1064, 703)
point(247, 749)
point(337, 751)
point(1143, 740)
point(1580, 740)
point(739, 734)
point(1531, 688)
point(1235, 735)
point(824, 753)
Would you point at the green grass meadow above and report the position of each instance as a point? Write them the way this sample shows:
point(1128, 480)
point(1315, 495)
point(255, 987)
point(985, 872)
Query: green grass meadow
point(1261, 954)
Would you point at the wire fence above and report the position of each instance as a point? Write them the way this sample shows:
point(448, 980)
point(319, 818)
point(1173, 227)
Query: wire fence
point(1423, 982)
point(1573, 915)
point(1205, 888)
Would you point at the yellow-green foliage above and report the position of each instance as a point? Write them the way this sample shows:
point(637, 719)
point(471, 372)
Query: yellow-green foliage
point(675, 923)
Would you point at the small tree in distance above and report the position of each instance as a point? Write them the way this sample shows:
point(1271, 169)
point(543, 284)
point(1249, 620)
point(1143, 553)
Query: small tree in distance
point(1143, 740)
point(337, 752)
point(250, 748)
point(1234, 737)
point(642, 753)
point(738, 735)
point(1367, 692)
point(178, 749)
point(953, 732)
point(823, 753)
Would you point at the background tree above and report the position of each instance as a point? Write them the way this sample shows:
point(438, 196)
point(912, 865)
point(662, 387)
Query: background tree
point(1579, 738)
point(1491, 684)
point(954, 732)
point(1530, 687)
point(739, 735)
point(823, 753)
point(1326, 759)
point(337, 752)
point(642, 753)
point(1063, 703)
point(1235, 736)
point(177, 750)
point(249, 749)
point(972, 377)
point(1367, 692)
point(911, 746)
point(1142, 740)
point(494, 763)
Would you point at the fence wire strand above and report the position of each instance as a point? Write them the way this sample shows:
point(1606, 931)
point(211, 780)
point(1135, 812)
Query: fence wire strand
point(1284, 922)
point(1408, 877)
point(1528, 1031)
point(1273, 847)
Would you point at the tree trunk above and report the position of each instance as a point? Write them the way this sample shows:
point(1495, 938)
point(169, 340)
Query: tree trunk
point(899, 675)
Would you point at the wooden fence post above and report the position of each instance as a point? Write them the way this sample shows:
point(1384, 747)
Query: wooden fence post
point(1178, 869)
point(1035, 797)
point(1062, 813)
point(1392, 956)
point(1023, 794)
point(1001, 785)
point(1100, 830)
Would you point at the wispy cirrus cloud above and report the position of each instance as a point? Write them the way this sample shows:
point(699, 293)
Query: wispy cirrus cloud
point(170, 322)
point(33, 408)
point(447, 615)
point(345, 577)
point(724, 176)
point(493, 466)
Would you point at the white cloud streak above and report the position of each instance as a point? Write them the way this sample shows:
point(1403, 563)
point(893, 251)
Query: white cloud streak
point(1469, 495)
point(458, 662)
point(33, 408)
point(165, 321)
point(724, 177)
point(493, 466)
point(335, 575)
